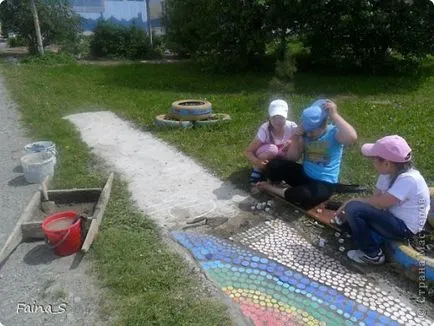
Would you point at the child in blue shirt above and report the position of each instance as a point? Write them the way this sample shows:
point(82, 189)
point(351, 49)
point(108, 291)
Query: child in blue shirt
point(315, 180)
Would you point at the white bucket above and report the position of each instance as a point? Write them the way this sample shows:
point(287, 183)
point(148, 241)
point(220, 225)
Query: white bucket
point(37, 166)
point(41, 146)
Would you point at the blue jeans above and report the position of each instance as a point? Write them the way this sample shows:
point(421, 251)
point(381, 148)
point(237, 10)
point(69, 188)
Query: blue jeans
point(367, 222)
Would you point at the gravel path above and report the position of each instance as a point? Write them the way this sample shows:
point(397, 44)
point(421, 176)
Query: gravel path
point(33, 276)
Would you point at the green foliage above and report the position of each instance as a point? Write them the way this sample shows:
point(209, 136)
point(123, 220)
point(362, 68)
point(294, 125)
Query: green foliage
point(115, 41)
point(282, 83)
point(58, 23)
point(367, 34)
point(50, 58)
point(224, 35)
point(16, 41)
point(364, 33)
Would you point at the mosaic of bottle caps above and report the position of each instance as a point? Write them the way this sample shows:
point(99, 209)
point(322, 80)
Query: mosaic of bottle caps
point(278, 278)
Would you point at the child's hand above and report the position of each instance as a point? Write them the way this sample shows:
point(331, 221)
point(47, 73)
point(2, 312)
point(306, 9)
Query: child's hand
point(286, 145)
point(332, 108)
point(261, 164)
point(299, 131)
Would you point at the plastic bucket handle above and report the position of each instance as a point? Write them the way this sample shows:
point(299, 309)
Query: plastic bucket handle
point(58, 242)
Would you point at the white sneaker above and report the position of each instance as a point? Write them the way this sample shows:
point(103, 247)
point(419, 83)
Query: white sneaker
point(360, 257)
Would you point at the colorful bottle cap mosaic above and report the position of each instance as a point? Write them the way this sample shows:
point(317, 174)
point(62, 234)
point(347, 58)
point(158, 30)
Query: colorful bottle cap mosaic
point(278, 278)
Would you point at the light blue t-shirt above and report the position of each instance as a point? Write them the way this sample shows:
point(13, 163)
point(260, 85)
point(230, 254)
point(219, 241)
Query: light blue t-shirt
point(323, 156)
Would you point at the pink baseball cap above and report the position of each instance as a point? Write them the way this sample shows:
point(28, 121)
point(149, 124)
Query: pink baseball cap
point(392, 148)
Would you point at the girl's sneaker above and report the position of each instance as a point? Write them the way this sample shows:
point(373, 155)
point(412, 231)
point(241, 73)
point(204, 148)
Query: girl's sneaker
point(360, 257)
point(255, 176)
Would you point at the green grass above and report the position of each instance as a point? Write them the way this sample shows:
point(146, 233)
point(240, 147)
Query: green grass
point(155, 286)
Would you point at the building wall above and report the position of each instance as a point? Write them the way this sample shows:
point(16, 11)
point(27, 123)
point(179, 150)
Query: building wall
point(123, 12)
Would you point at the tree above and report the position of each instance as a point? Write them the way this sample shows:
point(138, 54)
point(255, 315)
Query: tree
point(365, 32)
point(58, 23)
point(361, 33)
point(221, 34)
point(37, 27)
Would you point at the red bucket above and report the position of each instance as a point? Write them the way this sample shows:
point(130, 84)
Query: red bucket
point(63, 232)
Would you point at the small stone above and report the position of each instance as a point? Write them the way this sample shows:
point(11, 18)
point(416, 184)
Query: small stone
point(340, 240)
point(319, 210)
point(322, 242)
point(253, 208)
point(270, 203)
point(296, 211)
point(267, 209)
point(341, 249)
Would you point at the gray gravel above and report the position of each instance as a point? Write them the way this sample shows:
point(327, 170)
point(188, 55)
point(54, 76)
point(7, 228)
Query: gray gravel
point(33, 275)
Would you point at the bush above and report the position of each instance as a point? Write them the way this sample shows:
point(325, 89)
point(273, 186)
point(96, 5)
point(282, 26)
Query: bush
point(16, 41)
point(365, 33)
point(115, 41)
point(50, 58)
point(282, 83)
point(223, 35)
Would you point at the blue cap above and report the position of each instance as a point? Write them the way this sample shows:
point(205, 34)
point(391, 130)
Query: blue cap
point(313, 116)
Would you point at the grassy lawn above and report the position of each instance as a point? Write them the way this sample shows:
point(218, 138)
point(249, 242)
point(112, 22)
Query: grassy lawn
point(147, 282)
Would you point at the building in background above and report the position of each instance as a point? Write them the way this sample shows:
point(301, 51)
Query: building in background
point(123, 12)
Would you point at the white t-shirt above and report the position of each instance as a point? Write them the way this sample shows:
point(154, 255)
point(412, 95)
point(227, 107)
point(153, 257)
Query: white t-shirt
point(413, 194)
point(264, 134)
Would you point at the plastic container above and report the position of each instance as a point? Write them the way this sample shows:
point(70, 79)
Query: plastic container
point(37, 166)
point(41, 146)
point(63, 232)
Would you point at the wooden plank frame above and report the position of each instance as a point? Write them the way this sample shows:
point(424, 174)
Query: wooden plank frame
point(98, 215)
point(29, 229)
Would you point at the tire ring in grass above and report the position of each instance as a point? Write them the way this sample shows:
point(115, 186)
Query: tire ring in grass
point(216, 118)
point(163, 120)
point(191, 110)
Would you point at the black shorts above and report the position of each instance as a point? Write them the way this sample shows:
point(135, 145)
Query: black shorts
point(304, 191)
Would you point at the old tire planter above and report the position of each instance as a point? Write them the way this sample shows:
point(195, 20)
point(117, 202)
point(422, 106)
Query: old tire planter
point(191, 110)
point(216, 118)
point(163, 120)
point(414, 263)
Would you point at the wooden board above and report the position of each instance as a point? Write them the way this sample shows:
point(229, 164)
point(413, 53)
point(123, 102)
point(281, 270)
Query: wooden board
point(16, 237)
point(29, 228)
point(98, 215)
point(32, 231)
point(319, 213)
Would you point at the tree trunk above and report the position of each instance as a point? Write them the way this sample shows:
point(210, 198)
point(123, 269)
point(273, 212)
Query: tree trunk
point(148, 19)
point(37, 27)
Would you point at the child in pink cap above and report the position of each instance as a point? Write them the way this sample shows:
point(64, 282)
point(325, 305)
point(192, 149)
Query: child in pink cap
point(274, 139)
point(398, 209)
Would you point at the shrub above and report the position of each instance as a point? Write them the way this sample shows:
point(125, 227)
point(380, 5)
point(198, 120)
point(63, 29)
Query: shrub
point(223, 35)
point(115, 41)
point(16, 41)
point(50, 58)
point(364, 33)
point(282, 83)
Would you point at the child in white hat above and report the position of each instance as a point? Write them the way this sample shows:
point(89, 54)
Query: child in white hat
point(273, 139)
